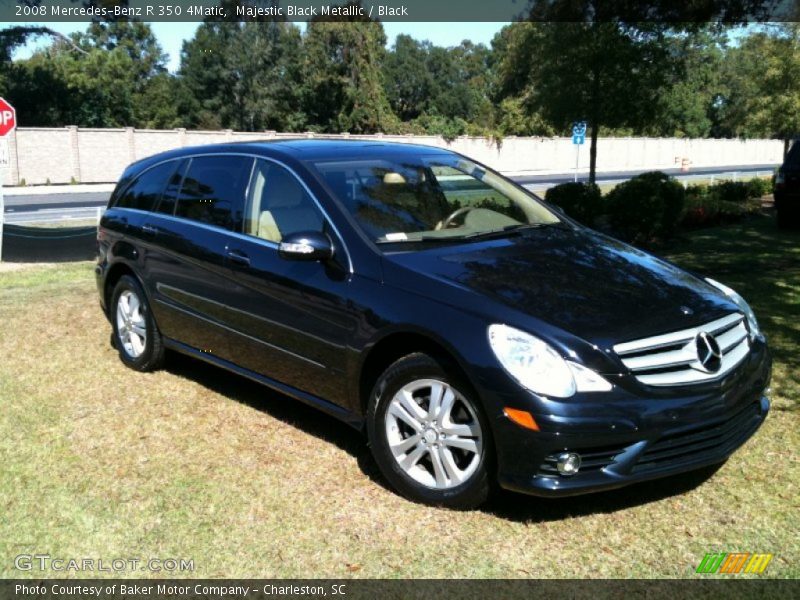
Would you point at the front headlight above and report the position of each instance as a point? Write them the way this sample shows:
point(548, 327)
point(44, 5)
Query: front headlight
point(752, 322)
point(538, 367)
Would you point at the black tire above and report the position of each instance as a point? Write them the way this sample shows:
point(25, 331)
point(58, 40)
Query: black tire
point(476, 488)
point(151, 357)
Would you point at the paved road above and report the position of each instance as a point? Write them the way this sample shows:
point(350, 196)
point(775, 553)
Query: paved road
point(32, 208)
point(539, 182)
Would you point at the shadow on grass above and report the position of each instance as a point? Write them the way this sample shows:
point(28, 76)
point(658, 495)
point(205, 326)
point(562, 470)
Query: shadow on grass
point(504, 504)
point(754, 257)
point(307, 419)
point(762, 263)
point(530, 509)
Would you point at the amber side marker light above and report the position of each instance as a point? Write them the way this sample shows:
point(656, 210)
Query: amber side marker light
point(522, 418)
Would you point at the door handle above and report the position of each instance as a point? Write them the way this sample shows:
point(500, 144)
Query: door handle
point(238, 257)
point(149, 229)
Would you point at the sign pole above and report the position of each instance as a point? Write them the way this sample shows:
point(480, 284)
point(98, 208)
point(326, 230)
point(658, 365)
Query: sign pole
point(578, 137)
point(2, 212)
point(8, 122)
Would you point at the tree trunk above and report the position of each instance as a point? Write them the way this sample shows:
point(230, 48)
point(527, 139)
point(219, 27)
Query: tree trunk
point(593, 152)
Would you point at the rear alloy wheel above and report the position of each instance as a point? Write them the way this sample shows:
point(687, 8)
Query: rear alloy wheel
point(428, 435)
point(131, 329)
point(135, 336)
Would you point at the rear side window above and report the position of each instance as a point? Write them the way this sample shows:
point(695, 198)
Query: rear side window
point(213, 190)
point(145, 192)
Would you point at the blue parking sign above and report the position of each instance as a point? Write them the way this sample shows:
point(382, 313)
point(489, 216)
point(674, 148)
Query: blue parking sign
point(578, 139)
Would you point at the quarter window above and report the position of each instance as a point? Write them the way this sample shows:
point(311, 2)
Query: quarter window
point(278, 204)
point(170, 195)
point(145, 192)
point(213, 190)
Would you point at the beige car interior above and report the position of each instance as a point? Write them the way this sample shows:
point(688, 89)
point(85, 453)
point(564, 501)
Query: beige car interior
point(279, 205)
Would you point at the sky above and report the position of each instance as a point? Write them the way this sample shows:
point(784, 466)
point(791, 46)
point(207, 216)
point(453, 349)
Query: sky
point(172, 35)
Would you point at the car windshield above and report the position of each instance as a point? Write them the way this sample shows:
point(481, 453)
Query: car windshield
point(434, 198)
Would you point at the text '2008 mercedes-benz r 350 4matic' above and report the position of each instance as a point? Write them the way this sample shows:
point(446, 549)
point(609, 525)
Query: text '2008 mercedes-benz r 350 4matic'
point(475, 334)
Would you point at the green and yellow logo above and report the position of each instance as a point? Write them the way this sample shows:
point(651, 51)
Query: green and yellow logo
point(734, 562)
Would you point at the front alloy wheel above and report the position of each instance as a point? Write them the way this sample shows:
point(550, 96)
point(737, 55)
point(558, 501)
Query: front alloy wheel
point(434, 434)
point(428, 434)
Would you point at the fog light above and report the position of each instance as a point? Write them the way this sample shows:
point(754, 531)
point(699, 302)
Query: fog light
point(568, 463)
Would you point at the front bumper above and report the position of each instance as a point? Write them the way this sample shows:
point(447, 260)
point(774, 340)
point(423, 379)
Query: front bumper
point(624, 438)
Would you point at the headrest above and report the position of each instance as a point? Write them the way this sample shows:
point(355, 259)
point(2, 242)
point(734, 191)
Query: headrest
point(392, 178)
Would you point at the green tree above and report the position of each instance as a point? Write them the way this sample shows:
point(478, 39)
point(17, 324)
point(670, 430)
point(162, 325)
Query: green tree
point(134, 38)
point(689, 102)
point(514, 51)
point(58, 86)
point(256, 88)
point(344, 81)
point(108, 76)
point(610, 74)
point(407, 80)
point(763, 84)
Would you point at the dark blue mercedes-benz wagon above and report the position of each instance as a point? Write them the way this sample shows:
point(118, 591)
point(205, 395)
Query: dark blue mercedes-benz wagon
point(475, 334)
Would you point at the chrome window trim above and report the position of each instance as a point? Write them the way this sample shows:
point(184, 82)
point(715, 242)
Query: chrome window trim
point(241, 235)
point(214, 228)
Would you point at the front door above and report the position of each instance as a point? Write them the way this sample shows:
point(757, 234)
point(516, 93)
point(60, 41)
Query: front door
point(293, 317)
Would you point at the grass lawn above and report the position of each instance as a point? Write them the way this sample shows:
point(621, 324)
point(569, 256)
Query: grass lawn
point(191, 462)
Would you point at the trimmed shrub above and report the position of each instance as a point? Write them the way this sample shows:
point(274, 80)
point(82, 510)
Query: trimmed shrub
point(708, 211)
point(697, 190)
point(581, 201)
point(707, 206)
point(646, 208)
point(759, 187)
point(730, 191)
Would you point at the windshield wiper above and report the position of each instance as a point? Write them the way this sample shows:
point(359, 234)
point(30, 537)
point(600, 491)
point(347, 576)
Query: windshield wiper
point(515, 229)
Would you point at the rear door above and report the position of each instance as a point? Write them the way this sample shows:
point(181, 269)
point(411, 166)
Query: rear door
point(187, 265)
point(293, 317)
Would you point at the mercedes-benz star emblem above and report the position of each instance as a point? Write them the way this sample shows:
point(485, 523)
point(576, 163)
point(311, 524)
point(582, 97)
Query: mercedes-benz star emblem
point(709, 354)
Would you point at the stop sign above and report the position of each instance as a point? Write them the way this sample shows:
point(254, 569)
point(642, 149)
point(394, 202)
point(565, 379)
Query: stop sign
point(8, 118)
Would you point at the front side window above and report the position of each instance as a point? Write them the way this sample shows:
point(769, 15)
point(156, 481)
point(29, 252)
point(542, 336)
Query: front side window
point(278, 204)
point(433, 198)
point(213, 190)
point(145, 192)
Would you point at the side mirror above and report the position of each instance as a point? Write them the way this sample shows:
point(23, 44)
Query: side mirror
point(306, 245)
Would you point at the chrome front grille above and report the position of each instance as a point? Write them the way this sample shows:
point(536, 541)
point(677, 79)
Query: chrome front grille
point(672, 358)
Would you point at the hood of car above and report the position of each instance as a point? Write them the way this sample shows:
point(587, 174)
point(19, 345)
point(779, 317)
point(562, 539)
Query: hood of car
point(580, 281)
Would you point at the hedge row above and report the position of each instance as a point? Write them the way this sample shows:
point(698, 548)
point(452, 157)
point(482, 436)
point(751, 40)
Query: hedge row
point(652, 206)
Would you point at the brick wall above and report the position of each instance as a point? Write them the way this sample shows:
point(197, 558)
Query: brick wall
point(67, 154)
